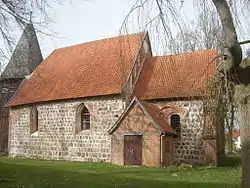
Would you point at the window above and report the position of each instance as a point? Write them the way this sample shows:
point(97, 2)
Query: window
point(33, 120)
point(85, 119)
point(82, 118)
point(176, 123)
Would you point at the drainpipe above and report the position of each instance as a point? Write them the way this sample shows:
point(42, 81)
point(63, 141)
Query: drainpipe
point(161, 152)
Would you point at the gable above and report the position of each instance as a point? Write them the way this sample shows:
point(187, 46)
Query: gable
point(136, 121)
point(141, 117)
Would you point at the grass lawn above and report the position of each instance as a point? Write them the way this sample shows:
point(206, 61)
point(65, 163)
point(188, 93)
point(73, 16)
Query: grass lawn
point(58, 174)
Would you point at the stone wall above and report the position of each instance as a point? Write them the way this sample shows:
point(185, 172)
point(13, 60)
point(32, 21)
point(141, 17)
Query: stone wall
point(189, 147)
point(56, 137)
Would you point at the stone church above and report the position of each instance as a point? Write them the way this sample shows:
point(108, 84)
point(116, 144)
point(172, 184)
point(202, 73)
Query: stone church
point(111, 100)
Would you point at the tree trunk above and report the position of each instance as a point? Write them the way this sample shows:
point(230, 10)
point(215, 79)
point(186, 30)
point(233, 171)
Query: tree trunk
point(220, 121)
point(246, 166)
point(230, 141)
point(232, 117)
point(245, 140)
point(232, 57)
point(231, 50)
point(231, 126)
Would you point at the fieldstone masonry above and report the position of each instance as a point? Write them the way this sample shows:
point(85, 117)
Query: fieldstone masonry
point(56, 137)
point(188, 148)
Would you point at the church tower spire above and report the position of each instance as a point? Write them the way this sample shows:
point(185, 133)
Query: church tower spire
point(26, 56)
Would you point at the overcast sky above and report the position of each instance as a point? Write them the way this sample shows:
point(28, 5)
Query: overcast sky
point(79, 21)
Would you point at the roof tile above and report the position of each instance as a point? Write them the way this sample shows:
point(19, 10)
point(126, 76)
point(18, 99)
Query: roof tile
point(176, 76)
point(89, 69)
point(157, 117)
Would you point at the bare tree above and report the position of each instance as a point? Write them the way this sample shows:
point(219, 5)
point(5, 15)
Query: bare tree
point(230, 116)
point(232, 57)
point(15, 14)
point(186, 41)
point(209, 27)
point(203, 33)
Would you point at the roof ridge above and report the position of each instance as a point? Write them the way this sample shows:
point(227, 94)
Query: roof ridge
point(186, 53)
point(100, 40)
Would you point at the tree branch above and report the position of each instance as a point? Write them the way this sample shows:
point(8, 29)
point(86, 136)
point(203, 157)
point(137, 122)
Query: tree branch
point(231, 49)
point(244, 42)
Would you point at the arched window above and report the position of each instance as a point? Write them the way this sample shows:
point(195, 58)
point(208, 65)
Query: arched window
point(175, 120)
point(33, 120)
point(82, 118)
point(85, 119)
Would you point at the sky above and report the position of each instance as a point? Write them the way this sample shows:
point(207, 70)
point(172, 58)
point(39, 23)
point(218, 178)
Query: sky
point(79, 21)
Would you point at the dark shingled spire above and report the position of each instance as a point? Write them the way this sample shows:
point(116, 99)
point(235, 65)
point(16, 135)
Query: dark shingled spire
point(26, 57)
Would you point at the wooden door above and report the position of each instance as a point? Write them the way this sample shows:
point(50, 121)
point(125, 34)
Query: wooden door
point(4, 129)
point(133, 150)
point(167, 150)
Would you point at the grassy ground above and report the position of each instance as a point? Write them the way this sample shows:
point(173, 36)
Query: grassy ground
point(57, 174)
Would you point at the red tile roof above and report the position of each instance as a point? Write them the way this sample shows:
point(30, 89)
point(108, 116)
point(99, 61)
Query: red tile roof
point(175, 76)
point(150, 111)
point(88, 69)
point(157, 117)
